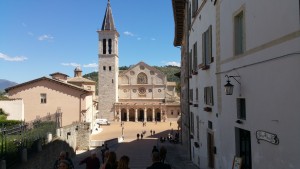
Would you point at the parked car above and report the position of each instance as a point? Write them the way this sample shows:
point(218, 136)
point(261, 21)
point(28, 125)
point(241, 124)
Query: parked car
point(102, 121)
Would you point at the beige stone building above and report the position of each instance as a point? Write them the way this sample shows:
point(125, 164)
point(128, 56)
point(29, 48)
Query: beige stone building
point(146, 95)
point(141, 93)
point(73, 97)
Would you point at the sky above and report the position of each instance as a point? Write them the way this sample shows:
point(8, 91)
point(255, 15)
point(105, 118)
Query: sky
point(40, 37)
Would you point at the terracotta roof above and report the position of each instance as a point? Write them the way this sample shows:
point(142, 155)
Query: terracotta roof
point(49, 79)
point(58, 73)
point(179, 14)
point(80, 79)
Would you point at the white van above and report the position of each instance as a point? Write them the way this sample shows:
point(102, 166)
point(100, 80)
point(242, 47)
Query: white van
point(102, 121)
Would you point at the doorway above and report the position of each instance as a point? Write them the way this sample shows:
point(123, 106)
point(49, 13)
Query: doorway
point(141, 115)
point(243, 147)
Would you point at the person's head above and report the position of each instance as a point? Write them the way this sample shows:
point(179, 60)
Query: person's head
point(112, 157)
point(62, 155)
point(63, 164)
point(106, 153)
point(93, 154)
point(123, 162)
point(155, 157)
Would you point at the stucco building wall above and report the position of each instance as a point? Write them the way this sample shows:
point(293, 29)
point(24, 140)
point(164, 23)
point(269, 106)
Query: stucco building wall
point(14, 108)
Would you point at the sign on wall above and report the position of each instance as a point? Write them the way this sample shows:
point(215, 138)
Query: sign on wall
point(266, 136)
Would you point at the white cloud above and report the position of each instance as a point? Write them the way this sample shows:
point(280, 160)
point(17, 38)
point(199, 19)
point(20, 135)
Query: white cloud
point(70, 64)
point(45, 37)
point(128, 33)
point(153, 39)
point(173, 63)
point(139, 38)
point(91, 65)
point(12, 59)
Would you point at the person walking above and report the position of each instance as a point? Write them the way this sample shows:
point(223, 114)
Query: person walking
point(64, 164)
point(111, 161)
point(157, 164)
point(92, 162)
point(162, 154)
point(123, 162)
point(63, 156)
point(138, 136)
point(155, 149)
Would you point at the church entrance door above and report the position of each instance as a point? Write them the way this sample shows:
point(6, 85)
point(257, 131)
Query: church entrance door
point(131, 115)
point(141, 115)
point(123, 115)
point(149, 114)
point(158, 117)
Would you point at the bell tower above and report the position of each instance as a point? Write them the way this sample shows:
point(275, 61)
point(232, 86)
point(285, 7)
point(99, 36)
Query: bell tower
point(108, 61)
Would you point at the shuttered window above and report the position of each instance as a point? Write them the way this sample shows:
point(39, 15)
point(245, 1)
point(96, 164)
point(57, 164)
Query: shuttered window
point(208, 96)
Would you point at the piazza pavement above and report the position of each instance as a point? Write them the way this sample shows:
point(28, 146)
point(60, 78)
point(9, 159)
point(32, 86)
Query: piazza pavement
point(139, 151)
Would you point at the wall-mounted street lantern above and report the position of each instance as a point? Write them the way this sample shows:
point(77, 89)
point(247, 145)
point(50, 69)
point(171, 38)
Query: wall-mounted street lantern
point(229, 86)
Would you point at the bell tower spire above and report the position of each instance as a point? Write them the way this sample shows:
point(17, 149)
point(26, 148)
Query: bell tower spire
point(108, 65)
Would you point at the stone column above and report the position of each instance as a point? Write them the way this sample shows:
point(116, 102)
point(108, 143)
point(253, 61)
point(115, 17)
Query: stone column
point(145, 114)
point(107, 46)
point(153, 114)
point(127, 110)
point(136, 115)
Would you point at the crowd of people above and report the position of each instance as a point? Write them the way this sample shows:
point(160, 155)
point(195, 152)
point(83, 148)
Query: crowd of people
point(109, 160)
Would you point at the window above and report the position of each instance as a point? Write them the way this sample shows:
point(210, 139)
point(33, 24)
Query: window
point(142, 78)
point(210, 125)
point(208, 96)
point(191, 95)
point(104, 46)
point(142, 91)
point(172, 112)
point(109, 68)
point(104, 67)
point(43, 98)
point(206, 48)
point(112, 80)
point(190, 62)
point(239, 39)
point(194, 7)
point(192, 122)
point(241, 108)
point(195, 62)
point(109, 46)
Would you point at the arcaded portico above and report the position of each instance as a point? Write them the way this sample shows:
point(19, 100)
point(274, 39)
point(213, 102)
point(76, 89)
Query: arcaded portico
point(145, 112)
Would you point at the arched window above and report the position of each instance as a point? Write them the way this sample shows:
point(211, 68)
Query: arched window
point(104, 46)
point(109, 46)
point(142, 78)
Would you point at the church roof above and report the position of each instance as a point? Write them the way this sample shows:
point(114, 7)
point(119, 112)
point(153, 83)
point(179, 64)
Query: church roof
point(108, 21)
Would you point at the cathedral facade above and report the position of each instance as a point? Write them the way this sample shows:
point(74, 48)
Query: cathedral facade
point(141, 93)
